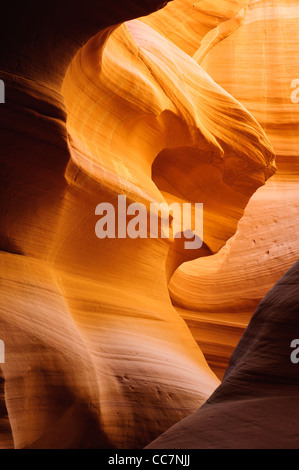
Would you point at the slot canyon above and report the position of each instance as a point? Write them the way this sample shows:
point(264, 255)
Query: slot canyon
point(132, 343)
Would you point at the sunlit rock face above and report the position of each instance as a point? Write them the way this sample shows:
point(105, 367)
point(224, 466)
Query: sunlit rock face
point(255, 407)
point(96, 356)
point(190, 25)
point(260, 59)
point(96, 353)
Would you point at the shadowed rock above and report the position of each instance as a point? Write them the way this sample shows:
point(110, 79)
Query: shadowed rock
point(256, 405)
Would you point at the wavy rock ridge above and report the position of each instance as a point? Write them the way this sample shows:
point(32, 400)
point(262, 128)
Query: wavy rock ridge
point(255, 407)
point(93, 342)
point(217, 297)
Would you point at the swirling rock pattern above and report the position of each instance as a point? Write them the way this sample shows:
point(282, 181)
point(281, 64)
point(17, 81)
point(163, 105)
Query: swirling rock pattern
point(256, 405)
point(97, 355)
point(222, 294)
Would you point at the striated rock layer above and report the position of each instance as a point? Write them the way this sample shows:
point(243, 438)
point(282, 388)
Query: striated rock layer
point(256, 405)
point(218, 296)
point(96, 354)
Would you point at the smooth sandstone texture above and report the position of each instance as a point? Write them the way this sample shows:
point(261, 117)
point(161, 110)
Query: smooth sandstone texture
point(218, 296)
point(167, 119)
point(256, 405)
point(97, 356)
point(190, 25)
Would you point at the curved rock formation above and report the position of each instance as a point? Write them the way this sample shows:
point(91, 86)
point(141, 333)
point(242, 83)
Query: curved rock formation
point(189, 24)
point(218, 296)
point(93, 344)
point(96, 354)
point(159, 116)
point(256, 405)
